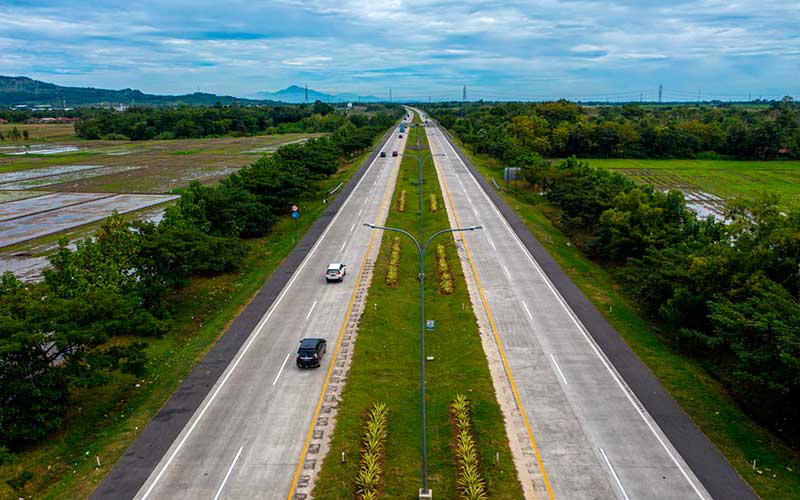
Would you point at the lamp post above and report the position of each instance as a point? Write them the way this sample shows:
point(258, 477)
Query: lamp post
point(424, 492)
point(420, 163)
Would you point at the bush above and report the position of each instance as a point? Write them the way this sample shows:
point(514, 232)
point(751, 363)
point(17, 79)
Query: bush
point(372, 445)
point(401, 201)
point(446, 283)
point(393, 267)
point(471, 485)
point(434, 202)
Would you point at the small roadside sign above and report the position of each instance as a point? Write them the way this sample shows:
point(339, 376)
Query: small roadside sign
point(294, 208)
point(429, 324)
point(295, 215)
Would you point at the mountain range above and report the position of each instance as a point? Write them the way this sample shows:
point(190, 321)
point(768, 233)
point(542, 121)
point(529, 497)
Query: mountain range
point(21, 90)
point(297, 94)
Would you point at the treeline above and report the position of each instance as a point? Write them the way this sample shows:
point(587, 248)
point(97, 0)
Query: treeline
point(561, 129)
point(723, 292)
point(145, 123)
point(91, 315)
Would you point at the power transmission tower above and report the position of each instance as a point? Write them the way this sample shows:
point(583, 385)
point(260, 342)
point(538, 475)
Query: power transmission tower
point(464, 94)
point(660, 92)
point(641, 97)
point(390, 94)
point(306, 92)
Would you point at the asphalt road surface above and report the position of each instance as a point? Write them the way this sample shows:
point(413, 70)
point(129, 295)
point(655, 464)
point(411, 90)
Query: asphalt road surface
point(593, 436)
point(246, 438)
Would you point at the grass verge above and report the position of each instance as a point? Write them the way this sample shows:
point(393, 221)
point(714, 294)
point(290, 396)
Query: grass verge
point(386, 367)
point(740, 439)
point(104, 421)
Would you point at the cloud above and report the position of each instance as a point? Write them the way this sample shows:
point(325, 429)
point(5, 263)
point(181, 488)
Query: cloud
point(522, 48)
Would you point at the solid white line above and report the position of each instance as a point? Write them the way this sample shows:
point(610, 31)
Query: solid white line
point(230, 469)
point(312, 308)
point(526, 309)
point(506, 270)
point(617, 378)
point(281, 370)
point(253, 336)
point(342, 247)
point(614, 473)
point(558, 369)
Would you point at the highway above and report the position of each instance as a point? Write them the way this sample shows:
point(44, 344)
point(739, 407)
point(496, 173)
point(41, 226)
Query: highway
point(248, 436)
point(592, 437)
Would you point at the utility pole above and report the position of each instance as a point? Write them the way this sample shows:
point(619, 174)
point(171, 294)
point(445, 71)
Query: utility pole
point(464, 94)
point(660, 92)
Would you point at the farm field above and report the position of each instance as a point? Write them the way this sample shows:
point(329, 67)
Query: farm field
point(41, 131)
point(724, 179)
point(61, 188)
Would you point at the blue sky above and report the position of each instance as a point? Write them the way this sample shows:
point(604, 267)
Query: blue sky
point(585, 49)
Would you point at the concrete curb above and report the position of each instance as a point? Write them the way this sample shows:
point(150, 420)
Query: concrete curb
point(707, 463)
point(131, 471)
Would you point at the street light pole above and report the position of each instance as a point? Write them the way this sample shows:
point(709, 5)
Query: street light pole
point(424, 492)
point(420, 163)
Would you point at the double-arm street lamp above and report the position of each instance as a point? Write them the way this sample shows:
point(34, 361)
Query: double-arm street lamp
point(420, 163)
point(424, 492)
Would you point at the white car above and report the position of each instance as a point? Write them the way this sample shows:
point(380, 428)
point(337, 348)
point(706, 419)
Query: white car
point(335, 272)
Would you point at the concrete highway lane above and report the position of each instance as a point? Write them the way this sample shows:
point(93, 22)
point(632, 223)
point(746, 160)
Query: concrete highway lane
point(592, 436)
point(247, 437)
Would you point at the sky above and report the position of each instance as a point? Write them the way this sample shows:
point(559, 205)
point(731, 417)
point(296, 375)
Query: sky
point(421, 49)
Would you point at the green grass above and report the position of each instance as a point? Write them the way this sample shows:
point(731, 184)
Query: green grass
point(724, 178)
point(106, 420)
point(386, 368)
point(740, 439)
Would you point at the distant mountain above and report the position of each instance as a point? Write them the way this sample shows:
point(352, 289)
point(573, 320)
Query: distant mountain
point(18, 90)
point(297, 94)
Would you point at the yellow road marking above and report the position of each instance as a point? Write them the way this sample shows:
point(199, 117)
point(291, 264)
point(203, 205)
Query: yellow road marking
point(494, 330)
point(339, 340)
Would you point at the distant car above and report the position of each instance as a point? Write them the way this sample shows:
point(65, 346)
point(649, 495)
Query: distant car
point(394, 153)
point(383, 154)
point(310, 352)
point(401, 136)
point(335, 272)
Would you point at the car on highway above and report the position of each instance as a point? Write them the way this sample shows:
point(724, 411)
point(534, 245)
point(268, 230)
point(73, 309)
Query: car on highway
point(310, 352)
point(335, 272)
point(394, 153)
point(401, 136)
point(383, 154)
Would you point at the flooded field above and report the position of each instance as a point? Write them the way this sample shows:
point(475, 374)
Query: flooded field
point(55, 190)
point(53, 201)
point(44, 223)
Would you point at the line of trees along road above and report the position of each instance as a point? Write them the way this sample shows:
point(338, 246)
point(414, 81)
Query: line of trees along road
point(98, 304)
point(562, 128)
point(144, 123)
point(725, 293)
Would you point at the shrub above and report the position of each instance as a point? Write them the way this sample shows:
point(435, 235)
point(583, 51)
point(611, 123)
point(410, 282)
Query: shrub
point(470, 482)
point(434, 203)
point(393, 268)
point(372, 445)
point(401, 201)
point(446, 283)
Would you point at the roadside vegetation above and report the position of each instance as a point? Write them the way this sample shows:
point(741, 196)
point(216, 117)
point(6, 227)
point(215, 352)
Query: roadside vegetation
point(116, 323)
point(386, 366)
point(509, 131)
point(471, 484)
point(692, 373)
point(373, 444)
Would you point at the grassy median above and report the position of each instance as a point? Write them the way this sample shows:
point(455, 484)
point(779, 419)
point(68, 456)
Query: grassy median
point(740, 439)
point(386, 367)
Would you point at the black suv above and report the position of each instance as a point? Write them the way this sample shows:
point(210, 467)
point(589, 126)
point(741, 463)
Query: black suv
point(383, 154)
point(310, 352)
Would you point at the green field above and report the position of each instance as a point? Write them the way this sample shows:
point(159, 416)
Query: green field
point(740, 439)
point(386, 368)
point(724, 178)
point(104, 421)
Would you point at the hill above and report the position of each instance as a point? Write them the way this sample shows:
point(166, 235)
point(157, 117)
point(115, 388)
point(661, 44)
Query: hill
point(297, 94)
point(19, 90)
